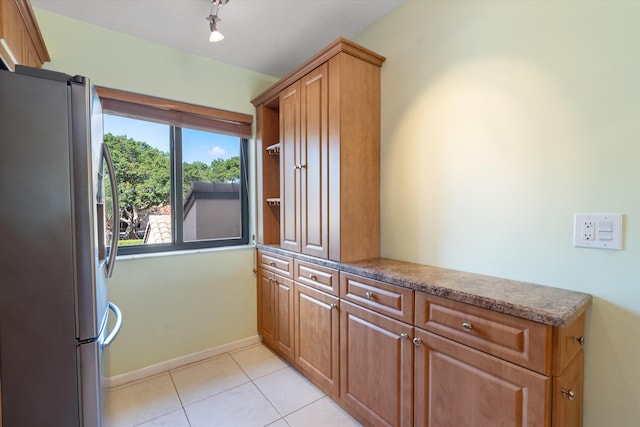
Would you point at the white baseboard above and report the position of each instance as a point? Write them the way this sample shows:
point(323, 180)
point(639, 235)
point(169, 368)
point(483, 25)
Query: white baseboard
point(158, 368)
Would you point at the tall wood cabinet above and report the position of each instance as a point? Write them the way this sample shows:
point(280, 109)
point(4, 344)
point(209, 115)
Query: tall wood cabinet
point(325, 199)
point(20, 38)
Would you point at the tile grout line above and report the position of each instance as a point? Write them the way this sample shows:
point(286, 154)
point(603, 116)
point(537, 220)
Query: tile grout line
point(175, 387)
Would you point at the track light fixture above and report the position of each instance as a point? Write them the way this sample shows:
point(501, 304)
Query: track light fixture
point(213, 19)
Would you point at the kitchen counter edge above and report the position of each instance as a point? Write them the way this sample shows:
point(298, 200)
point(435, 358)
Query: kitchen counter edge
point(539, 303)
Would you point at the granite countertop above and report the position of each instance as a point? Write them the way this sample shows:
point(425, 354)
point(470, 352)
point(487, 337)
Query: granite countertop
point(543, 304)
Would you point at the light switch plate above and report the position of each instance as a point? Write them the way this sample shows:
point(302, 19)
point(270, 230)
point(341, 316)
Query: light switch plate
point(602, 231)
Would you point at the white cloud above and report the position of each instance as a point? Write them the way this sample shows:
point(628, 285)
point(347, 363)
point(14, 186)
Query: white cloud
point(217, 152)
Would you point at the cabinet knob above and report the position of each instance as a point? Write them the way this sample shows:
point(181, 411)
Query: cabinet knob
point(296, 167)
point(404, 336)
point(417, 341)
point(579, 340)
point(272, 264)
point(467, 326)
point(302, 166)
point(368, 295)
point(333, 306)
point(313, 277)
point(569, 394)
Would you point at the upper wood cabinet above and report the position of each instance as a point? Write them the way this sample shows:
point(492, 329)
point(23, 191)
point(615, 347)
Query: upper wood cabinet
point(20, 38)
point(325, 200)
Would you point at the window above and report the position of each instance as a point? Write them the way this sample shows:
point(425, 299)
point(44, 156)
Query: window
point(181, 171)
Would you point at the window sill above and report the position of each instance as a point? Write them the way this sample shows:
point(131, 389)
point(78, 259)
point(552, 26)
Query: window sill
point(183, 252)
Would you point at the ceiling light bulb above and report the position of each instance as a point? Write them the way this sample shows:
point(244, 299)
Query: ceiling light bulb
point(216, 35)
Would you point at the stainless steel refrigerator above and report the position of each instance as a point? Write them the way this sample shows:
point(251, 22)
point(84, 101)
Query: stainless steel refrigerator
point(56, 250)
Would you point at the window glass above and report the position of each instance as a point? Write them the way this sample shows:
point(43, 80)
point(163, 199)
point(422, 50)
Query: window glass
point(179, 188)
point(210, 186)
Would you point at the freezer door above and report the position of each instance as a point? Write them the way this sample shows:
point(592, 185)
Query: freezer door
point(90, 356)
point(91, 392)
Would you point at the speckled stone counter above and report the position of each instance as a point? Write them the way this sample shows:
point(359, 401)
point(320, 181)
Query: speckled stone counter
point(544, 304)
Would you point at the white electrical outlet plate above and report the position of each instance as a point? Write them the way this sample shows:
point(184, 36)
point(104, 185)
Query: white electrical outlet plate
point(602, 231)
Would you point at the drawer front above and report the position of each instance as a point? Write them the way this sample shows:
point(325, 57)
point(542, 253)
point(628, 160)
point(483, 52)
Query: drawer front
point(523, 342)
point(316, 276)
point(383, 298)
point(277, 263)
point(567, 343)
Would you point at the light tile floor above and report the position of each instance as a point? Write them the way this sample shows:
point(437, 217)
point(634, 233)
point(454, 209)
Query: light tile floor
point(248, 387)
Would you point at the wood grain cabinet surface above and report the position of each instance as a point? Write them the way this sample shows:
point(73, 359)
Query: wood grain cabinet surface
point(324, 119)
point(392, 356)
point(21, 42)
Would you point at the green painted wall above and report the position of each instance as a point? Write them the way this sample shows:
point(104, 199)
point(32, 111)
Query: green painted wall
point(500, 121)
point(176, 304)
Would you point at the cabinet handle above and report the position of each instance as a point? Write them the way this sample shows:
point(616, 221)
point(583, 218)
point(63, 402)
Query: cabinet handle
point(417, 341)
point(302, 166)
point(569, 394)
point(313, 277)
point(579, 340)
point(467, 326)
point(333, 306)
point(368, 295)
point(404, 336)
point(272, 264)
point(296, 167)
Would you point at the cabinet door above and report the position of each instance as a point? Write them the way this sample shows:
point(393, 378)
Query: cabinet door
point(266, 307)
point(290, 168)
point(284, 317)
point(376, 366)
point(567, 394)
point(456, 385)
point(317, 336)
point(314, 162)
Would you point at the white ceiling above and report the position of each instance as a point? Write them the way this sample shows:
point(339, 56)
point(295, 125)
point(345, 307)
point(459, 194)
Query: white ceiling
point(268, 36)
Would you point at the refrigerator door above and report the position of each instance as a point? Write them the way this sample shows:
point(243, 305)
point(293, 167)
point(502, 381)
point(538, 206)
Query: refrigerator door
point(90, 356)
point(38, 340)
point(88, 173)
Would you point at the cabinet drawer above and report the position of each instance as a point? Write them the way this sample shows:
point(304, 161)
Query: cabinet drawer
point(523, 342)
point(277, 263)
point(384, 298)
point(316, 276)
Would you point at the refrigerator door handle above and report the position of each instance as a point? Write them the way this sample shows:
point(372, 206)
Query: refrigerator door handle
point(116, 327)
point(116, 211)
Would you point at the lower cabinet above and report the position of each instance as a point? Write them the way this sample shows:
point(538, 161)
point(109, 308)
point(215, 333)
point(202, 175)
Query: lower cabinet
point(395, 357)
point(317, 337)
point(458, 386)
point(376, 366)
point(275, 312)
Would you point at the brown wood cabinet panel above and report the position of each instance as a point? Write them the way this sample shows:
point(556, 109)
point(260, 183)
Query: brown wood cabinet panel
point(277, 263)
point(521, 341)
point(276, 312)
point(22, 41)
point(459, 386)
point(284, 317)
point(376, 365)
point(567, 343)
point(384, 298)
point(266, 307)
point(354, 159)
point(289, 171)
point(268, 175)
point(329, 125)
point(319, 277)
point(317, 337)
point(313, 166)
point(568, 395)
